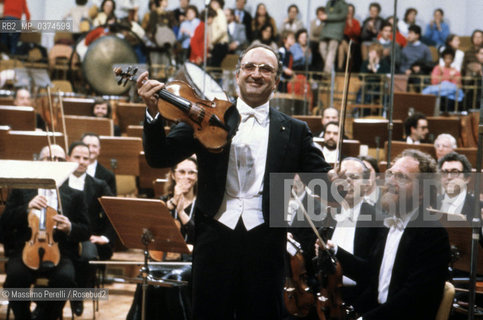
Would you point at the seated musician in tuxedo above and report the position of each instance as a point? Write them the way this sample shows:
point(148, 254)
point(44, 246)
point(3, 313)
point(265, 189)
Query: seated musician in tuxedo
point(372, 191)
point(351, 226)
point(102, 234)
point(455, 172)
point(95, 169)
point(71, 228)
point(331, 136)
point(329, 114)
point(405, 274)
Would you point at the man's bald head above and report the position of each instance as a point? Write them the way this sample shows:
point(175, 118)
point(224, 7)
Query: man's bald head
point(58, 153)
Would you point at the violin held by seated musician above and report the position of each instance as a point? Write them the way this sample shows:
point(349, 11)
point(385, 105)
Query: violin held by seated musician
point(178, 102)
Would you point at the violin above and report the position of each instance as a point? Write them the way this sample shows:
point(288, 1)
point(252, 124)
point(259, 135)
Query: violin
point(298, 296)
point(329, 303)
point(178, 101)
point(41, 250)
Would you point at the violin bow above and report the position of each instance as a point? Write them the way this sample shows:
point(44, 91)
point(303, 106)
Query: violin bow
point(390, 124)
point(63, 118)
point(347, 79)
point(309, 220)
point(51, 114)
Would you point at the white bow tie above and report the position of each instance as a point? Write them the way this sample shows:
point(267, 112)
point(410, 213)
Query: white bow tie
point(394, 222)
point(260, 114)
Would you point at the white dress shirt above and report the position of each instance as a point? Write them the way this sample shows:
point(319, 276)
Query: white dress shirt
point(411, 141)
point(396, 229)
point(246, 169)
point(345, 231)
point(454, 204)
point(91, 169)
point(77, 182)
point(330, 155)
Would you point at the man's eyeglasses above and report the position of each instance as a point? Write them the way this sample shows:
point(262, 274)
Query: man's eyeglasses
point(400, 178)
point(182, 172)
point(264, 69)
point(451, 173)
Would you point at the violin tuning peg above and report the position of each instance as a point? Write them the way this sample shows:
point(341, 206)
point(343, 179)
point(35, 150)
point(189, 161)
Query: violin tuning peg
point(134, 71)
point(119, 82)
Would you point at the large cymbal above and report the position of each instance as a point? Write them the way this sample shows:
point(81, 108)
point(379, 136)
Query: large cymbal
point(99, 60)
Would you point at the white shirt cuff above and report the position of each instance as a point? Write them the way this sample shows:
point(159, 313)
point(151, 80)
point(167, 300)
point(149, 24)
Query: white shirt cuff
point(105, 238)
point(149, 118)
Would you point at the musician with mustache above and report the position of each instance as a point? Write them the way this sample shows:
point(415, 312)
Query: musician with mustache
point(405, 274)
point(238, 260)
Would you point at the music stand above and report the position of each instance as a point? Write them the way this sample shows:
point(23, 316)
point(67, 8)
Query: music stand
point(144, 224)
point(34, 174)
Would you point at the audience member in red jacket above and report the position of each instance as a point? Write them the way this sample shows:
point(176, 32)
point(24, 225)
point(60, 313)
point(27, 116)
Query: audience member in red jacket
point(13, 11)
point(352, 31)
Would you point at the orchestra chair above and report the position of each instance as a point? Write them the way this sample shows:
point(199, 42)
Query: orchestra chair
point(373, 108)
point(446, 303)
point(128, 113)
point(470, 153)
point(148, 175)
point(314, 123)
point(3, 136)
point(374, 132)
point(404, 101)
point(350, 148)
point(289, 103)
point(18, 118)
point(438, 125)
point(78, 106)
point(399, 146)
point(78, 125)
point(59, 57)
point(121, 156)
point(158, 186)
point(6, 101)
point(62, 85)
point(134, 131)
point(25, 145)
